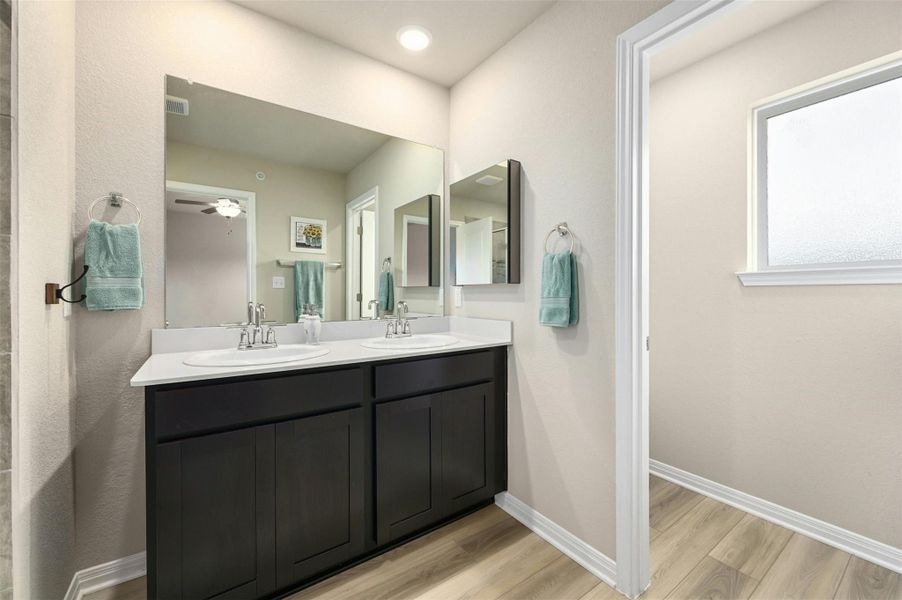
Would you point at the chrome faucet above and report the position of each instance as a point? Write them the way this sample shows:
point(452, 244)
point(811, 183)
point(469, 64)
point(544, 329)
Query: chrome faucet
point(253, 336)
point(399, 327)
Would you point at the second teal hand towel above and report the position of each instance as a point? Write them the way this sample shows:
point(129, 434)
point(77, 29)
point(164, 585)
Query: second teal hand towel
point(559, 304)
point(386, 291)
point(308, 286)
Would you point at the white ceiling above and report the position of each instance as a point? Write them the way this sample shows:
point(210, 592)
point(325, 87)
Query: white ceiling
point(743, 21)
point(464, 32)
point(225, 121)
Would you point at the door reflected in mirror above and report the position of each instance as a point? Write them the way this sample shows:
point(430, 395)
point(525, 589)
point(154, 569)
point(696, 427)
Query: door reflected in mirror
point(269, 204)
point(419, 243)
point(485, 226)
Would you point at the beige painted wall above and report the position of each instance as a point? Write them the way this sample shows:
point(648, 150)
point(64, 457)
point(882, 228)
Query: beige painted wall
point(124, 50)
point(404, 172)
point(288, 190)
point(791, 394)
point(43, 369)
point(206, 269)
point(547, 99)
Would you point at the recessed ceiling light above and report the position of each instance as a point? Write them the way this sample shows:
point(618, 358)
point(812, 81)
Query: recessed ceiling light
point(489, 180)
point(414, 37)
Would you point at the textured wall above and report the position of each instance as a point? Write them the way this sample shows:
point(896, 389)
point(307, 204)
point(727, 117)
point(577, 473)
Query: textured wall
point(124, 51)
point(547, 99)
point(791, 394)
point(43, 368)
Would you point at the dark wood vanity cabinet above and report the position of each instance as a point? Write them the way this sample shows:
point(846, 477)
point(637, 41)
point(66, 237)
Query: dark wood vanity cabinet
point(212, 537)
point(257, 486)
point(434, 458)
point(319, 493)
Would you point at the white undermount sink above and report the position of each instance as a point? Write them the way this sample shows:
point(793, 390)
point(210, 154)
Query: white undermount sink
point(248, 358)
point(414, 342)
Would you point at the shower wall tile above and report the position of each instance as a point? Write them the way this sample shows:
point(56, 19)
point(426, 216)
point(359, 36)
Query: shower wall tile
point(5, 56)
point(6, 541)
point(5, 414)
point(5, 172)
point(6, 550)
point(4, 294)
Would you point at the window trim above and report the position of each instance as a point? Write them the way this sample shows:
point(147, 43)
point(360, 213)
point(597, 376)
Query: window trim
point(759, 272)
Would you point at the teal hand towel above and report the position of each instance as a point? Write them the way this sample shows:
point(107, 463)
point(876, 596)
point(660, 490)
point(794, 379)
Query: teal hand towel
point(115, 279)
point(308, 286)
point(559, 305)
point(386, 291)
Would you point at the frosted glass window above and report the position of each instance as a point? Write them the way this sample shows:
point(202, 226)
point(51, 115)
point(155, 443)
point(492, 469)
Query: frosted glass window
point(834, 179)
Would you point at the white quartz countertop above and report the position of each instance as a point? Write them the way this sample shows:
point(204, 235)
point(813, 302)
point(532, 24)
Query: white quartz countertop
point(168, 367)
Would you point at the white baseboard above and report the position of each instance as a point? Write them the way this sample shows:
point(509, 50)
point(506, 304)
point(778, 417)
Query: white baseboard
point(588, 557)
point(847, 541)
point(99, 577)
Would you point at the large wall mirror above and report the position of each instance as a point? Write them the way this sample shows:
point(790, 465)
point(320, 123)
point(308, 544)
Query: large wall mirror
point(269, 204)
point(485, 226)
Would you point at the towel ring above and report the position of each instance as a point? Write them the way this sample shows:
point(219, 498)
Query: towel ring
point(386, 268)
point(562, 230)
point(116, 199)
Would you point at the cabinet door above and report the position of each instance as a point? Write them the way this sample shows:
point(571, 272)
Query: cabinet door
point(214, 533)
point(468, 447)
point(408, 466)
point(319, 493)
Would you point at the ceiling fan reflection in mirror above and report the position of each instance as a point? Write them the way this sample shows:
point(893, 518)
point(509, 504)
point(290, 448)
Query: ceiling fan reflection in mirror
point(226, 207)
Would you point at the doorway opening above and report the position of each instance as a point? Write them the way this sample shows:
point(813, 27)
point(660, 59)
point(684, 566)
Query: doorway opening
point(362, 248)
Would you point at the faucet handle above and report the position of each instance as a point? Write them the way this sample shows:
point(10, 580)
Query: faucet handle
point(270, 336)
point(406, 329)
point(243, 341)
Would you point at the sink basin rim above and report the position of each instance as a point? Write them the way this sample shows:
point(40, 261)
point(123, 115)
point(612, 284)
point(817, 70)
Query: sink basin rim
point(232, 357)
point(415, 342)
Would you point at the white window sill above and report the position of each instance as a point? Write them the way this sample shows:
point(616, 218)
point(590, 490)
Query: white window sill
point(832, 276)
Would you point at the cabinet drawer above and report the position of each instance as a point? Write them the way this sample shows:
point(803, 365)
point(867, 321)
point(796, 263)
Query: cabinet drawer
point(422, 376)
point(194, 410)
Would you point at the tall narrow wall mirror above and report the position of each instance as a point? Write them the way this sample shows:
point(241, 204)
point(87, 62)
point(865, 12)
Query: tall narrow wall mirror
point(484, 242)
point(269, 204)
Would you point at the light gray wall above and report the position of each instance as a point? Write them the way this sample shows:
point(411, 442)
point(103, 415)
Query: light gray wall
point(43, 369)
point(124, 51)
point(547, 99)
point(206, 269)
point(791, 394)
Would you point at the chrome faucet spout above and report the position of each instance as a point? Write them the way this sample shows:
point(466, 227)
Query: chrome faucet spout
point(252, 335)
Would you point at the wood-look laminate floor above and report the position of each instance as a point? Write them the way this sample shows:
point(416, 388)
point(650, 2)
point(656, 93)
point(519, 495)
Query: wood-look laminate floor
point(700, 549)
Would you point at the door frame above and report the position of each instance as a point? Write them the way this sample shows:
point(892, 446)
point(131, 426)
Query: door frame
point(634, 50)
point(369, 197)
point(251, 223)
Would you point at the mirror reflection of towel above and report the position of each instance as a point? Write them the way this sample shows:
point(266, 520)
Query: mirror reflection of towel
point(386, 291)
point(308, 286)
